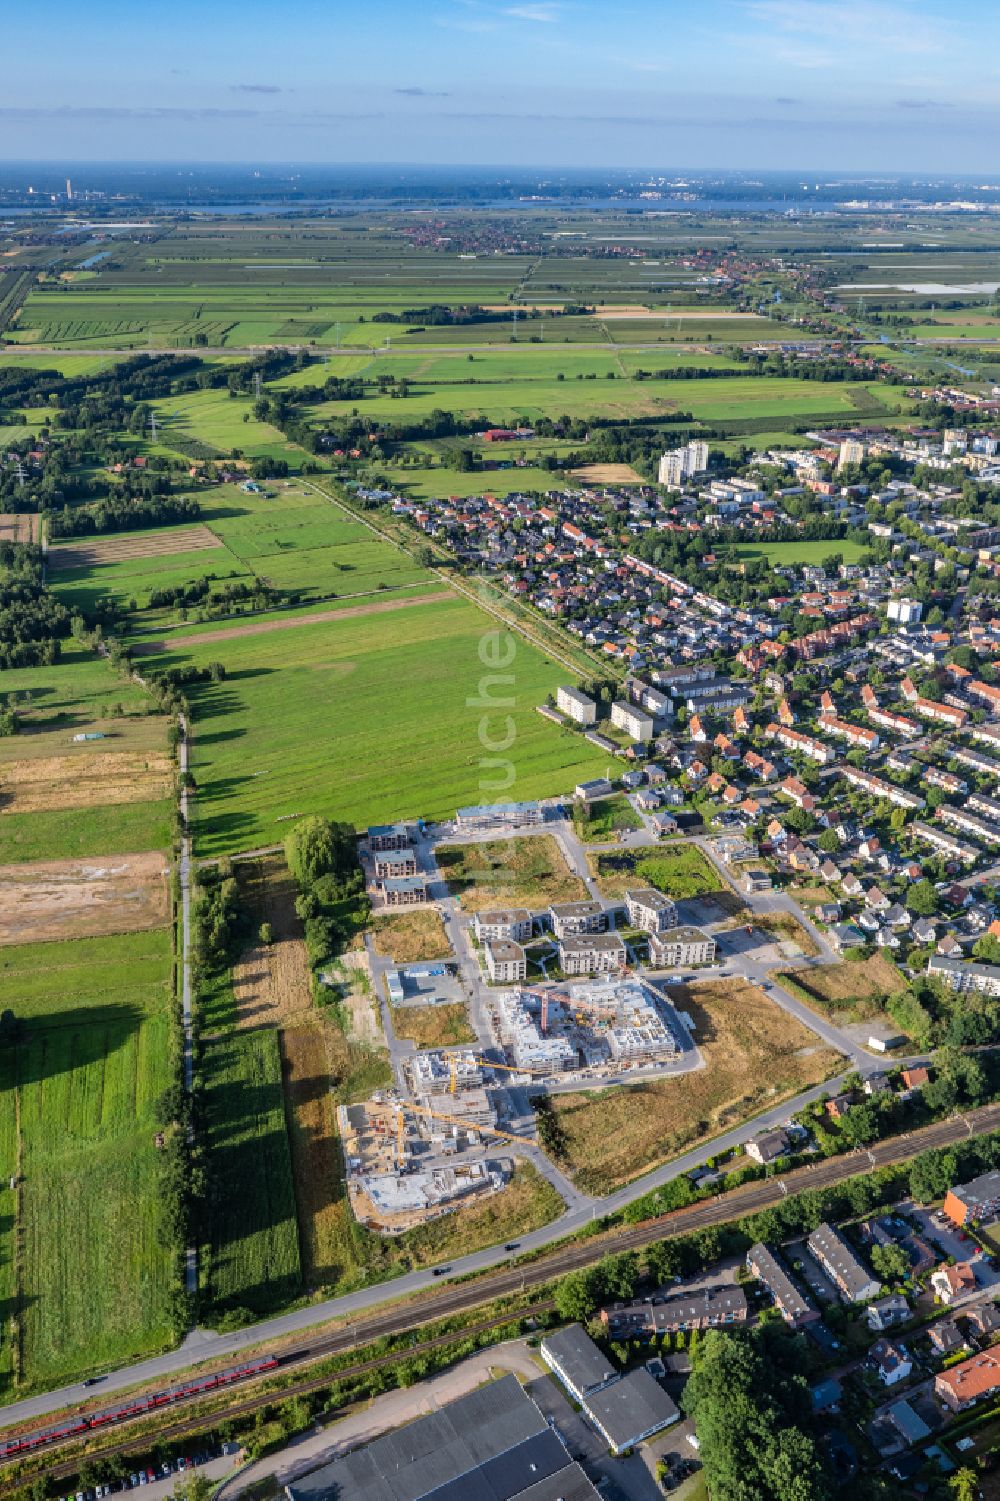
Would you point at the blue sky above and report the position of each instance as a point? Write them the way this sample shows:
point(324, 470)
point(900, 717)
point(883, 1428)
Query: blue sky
point(862, 85)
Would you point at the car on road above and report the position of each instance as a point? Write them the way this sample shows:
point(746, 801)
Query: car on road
point(94, 1380)
point(439, 1271)
point(512, 1245)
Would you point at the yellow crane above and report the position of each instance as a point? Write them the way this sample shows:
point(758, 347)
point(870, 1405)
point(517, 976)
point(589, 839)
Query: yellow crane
point(453, 1120)
point(512, 1068)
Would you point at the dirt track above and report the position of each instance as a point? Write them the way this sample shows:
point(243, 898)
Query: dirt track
point(263, 627)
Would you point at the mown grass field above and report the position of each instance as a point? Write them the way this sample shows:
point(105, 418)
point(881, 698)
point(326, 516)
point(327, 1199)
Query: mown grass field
point(785, 554)
point(92, 1058)
point(366, 718)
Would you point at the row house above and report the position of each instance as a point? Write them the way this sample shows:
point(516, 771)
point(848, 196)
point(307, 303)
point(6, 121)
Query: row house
point(945, 843)
point(844, 730)
point(878, 787)
point(806, 745)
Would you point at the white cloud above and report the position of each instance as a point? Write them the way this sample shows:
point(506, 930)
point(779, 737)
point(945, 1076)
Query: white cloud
point(542, 12)
point(882, 24)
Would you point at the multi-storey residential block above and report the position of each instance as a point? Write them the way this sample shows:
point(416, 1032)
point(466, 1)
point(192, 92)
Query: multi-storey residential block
point(676, 948)
point(650, 909)
point(576, 705)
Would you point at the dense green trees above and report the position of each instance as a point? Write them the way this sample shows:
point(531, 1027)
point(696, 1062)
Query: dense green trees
point(749, 1400)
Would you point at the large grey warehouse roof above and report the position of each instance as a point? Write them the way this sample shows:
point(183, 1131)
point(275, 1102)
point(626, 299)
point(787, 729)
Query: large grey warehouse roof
point(630, 1408)
point(491, 1445)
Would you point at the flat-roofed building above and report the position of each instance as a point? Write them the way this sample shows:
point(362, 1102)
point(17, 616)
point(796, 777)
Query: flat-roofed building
point(677, 947)
point(979, 1199)
point(846, 1270)
point(650, 909)
point(400, 861)
point(576, 705)
point(592, 954)
point(589, 792)
point(500, 815)
point(491, 1445)
point(511, 923)
point(404, 891)
point(633, 720)
point(571, 918)
point(577, 1361)
point(506, 962)
point(630, 1410)
point(388, 836)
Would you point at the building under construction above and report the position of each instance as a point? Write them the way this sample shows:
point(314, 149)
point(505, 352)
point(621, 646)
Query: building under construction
point(404, 1158)
point(610, 1023)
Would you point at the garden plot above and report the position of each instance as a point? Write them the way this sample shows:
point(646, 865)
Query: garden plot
point(59, 899)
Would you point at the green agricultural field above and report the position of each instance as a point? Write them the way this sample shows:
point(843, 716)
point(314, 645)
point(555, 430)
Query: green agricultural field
point(252, 1256)
point(221, 422)
point(73, 833)
point(366, 718)
point(94, 1266)
point(439, 482)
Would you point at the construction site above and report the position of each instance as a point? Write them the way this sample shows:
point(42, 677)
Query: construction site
point(423, 1148)
point(602, 1027)
point(411, 1159)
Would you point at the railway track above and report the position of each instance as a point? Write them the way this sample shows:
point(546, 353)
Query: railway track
point(249, 1405)
point(463, 1297)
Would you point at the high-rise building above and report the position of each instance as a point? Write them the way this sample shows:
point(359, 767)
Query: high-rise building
point(680, 463)
point(851, 452)
point(69, 191)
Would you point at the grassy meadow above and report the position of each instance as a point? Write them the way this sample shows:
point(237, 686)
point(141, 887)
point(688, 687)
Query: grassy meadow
point(366, 718)
point(90, 1263)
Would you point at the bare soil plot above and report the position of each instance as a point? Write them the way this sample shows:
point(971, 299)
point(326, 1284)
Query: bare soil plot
point(755, 1056)
point(47, 769)
point(634, 311)
point(51, 899)
point(265, 627)
point(271, 981)
point(787, 929)
point(433, 1026)
point(120, 549)
point(526, 872)
point(407, 937)
point(361, 1017)
point(608, 474)
point(19, 528)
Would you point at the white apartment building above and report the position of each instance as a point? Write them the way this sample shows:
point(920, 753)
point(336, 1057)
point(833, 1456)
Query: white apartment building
point(592, 954)
point(905, 611)
point(650, 909)
point(675, 948)
point(506, 962)
point(633, 720)
point(680, 463)
point(576, 705)
point(512, 924)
